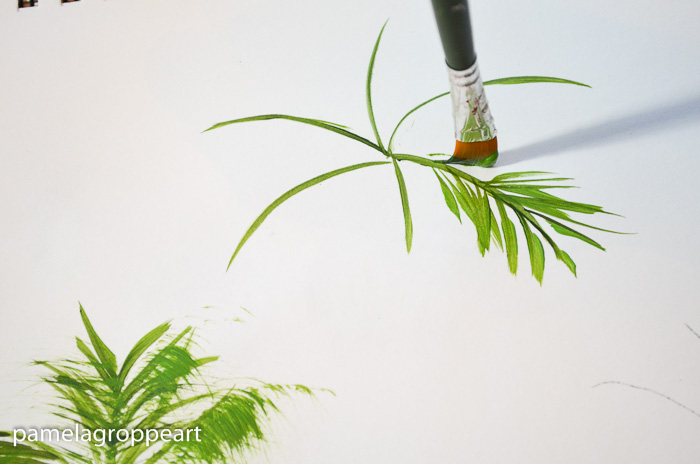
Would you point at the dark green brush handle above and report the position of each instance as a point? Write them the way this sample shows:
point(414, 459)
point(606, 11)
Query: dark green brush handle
point(455, 32)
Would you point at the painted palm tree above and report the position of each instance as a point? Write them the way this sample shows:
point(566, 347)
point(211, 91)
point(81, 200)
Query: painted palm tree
point(158, 386)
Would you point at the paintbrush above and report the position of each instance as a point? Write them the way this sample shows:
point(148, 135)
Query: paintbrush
point(475, 133)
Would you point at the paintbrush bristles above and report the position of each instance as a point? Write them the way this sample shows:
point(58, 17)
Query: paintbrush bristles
point(476, 150)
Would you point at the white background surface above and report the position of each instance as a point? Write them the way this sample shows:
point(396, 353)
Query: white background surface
point(109, 194)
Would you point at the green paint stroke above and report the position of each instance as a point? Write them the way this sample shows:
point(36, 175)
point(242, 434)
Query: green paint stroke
point(160, 386)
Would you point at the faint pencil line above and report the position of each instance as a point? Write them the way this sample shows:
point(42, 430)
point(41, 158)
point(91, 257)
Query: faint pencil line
point(694, 332)
point(637, 387)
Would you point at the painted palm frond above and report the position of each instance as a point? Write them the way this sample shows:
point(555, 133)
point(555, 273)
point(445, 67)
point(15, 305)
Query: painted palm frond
point(159, 386)
point(522, 200)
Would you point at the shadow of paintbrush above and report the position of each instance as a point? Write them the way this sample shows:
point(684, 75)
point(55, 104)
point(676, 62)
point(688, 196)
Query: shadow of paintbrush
point(627, 127)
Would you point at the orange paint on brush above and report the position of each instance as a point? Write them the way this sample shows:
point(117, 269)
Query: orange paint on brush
point(476, 150)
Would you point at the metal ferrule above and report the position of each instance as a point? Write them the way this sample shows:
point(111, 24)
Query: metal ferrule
point(470, 108)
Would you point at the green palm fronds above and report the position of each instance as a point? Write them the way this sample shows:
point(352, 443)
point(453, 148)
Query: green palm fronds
point(159, 386)
point(525, 196)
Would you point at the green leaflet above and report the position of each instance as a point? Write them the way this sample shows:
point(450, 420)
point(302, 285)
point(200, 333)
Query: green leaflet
point(477, 209)
point(337, 128)
point(263, 117)
point(368, 89)
point(534, 246)
point(547, 202)
point(92, 358)
point(449, 197)
point(560, 254)
point(290, 193)
point(466, 202)
point(566, 230)
point(544, 210)
point(209, 359)
point(532, 80)
point(464, 199)
point(525, 181)
point(510, 238)
point(496, 231)
point(109, 362)
point(534, 191)
point(484, 217)
point(141, 346)
point(408, 223)
point(516, 175)
point(564, 257)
